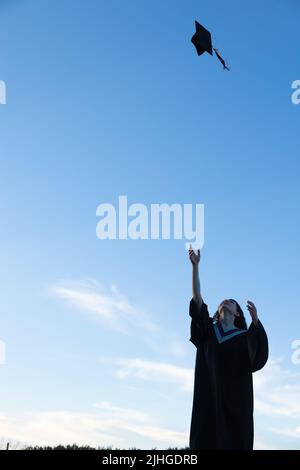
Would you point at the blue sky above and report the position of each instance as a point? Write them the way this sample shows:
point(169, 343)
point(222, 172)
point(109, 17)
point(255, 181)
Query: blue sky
point(107, 99)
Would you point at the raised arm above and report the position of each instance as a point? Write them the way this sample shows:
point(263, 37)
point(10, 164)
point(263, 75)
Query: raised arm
point(195, 259)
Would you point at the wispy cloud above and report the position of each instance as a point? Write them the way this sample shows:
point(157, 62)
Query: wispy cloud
point(154, 371)
point(113, 308)
point(277, 390)
point(108, 425)
point(277, 405)
point(116, 312)
point(293, 432)
point(144, 425)
point(124, 427)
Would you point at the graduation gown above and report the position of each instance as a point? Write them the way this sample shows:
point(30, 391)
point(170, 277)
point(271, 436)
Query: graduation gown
point(222, 411)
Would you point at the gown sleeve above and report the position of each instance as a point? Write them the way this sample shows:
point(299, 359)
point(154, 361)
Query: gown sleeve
point(200, 323)
point(258, 348)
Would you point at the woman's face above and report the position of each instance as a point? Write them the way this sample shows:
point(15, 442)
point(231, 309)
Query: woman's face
point(230, 306)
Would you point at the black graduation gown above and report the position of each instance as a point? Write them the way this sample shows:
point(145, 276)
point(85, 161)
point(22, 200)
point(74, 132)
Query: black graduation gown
point(222, 411)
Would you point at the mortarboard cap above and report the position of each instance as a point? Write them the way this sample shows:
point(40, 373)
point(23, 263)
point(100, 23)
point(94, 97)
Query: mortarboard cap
point(203, 43)
point(202, 40)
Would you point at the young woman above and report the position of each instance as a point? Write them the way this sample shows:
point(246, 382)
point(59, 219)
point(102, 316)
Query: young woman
point(227, 355)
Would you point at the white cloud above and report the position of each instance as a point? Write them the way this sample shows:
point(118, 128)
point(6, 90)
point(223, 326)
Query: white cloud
point(276, 399)
point(276, 394)
point(277, 406)
point(277, 390)
point(140, 423)
point(178, 348)
point(293, 432)
point(116, 312)
point(108, 426)
point(262, 444)
point(56, 427)
point(154, 371)
point(111, 307)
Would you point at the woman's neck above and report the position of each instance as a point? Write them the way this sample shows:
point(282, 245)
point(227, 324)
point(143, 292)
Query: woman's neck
point(227, 320)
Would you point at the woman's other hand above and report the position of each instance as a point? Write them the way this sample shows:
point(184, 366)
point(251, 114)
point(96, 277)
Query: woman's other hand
point(253, 312)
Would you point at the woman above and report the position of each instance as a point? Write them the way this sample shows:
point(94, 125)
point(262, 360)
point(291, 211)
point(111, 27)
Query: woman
point(227, 355)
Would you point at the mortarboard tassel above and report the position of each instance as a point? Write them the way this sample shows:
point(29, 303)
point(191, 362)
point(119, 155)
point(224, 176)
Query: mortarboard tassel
point(221, 59)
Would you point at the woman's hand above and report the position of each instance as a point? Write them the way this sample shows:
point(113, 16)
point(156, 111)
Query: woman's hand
point(195, 276)
point(253, 312)
point(193, 257)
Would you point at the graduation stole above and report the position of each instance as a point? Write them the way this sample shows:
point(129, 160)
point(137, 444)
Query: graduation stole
point(225, 335)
